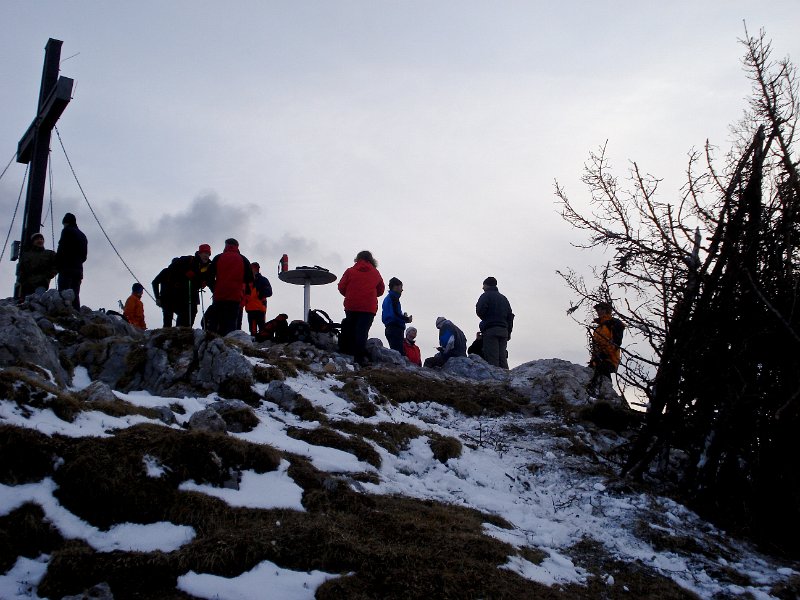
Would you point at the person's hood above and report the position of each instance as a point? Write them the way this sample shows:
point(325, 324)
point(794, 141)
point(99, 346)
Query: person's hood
point(363, 265)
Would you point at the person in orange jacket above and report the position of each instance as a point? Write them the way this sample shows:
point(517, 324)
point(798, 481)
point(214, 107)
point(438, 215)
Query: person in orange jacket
point(134, 309)
point(361, 285)
point(256, 301)
point(606, 342)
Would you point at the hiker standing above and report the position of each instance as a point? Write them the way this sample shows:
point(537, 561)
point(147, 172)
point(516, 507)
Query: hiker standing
point(256, 302)
point(36, 267)
point(410, 348)
point(134, 309)
point(71, 254)
point(605, 347)
point(163, 294)
point(199, 277)
point(393, 316)
point(497, 320)
point(232, 277)
point(452, 343)
point(361, 285)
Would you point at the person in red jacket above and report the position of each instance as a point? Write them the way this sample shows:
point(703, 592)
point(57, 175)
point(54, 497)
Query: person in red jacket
point(232, 276)
point(361, 285)
point(410, 348)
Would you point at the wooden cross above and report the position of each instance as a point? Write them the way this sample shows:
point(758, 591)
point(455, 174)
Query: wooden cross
point(34, 147)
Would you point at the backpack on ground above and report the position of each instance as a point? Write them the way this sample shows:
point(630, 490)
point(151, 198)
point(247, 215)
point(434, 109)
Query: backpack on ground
point(299, 331)
point(320, 322)
point(276, 329)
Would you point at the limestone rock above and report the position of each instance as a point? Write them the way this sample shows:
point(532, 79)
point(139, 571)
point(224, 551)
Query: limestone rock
point(556, 381)
point(23, 342)
point(97, 391)
point(207, 420)
point(379, 354)
point(474, 367)
point(282, 395)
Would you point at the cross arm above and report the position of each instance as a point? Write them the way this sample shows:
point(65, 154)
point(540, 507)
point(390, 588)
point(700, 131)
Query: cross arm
point(51, 110)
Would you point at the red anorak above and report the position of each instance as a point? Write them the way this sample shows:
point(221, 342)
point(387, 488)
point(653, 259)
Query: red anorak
point(361, 285)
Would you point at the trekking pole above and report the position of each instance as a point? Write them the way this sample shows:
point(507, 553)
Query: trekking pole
point(203, 309)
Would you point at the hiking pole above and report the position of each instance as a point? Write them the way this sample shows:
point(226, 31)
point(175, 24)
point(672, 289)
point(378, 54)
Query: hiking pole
point(203, 309)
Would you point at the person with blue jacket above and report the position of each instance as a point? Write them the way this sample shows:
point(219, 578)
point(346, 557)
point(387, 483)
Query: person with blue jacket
point(393, 317)
point(452, 343)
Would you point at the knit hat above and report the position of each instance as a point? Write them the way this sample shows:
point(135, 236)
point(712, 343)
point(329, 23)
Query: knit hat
point(490, 281)
point(255, 265)
point(204, 248)
point(394, 281)
point(411, 330)
point(439, 321)
point(137, 287)
point(69, 219)
point(36, 235)
point(604, 306)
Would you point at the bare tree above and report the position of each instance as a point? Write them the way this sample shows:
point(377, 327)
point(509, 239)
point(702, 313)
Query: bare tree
point(709, 281)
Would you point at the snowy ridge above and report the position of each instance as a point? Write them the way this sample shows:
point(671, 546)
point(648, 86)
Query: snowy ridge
point(523, 469)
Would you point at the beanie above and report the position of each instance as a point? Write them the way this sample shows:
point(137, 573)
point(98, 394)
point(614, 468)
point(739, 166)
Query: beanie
point(69, 219)
point(394, 281)
point(491, 281)
point(36, 235)
point(137, 287)
point(439, 321)
point(411, 330)
point(204, 248)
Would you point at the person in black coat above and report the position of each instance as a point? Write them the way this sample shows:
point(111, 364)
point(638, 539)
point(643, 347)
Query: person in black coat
point(497, 321)
point(70, 256)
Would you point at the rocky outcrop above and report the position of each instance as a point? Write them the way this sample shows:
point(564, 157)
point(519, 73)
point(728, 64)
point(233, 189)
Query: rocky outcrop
point(558, 382)
point(23, 343)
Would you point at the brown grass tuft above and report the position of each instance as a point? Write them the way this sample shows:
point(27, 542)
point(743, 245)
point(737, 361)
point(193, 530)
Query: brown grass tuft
point(444, 447)
point(325, 436)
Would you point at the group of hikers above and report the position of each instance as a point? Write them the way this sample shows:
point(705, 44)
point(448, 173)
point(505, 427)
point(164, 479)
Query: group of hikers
point(238, 287)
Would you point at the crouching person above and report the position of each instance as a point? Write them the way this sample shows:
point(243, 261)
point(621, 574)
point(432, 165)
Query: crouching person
point(452, 343)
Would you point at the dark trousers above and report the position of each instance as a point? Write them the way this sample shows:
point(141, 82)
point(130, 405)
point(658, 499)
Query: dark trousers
point(495, 341)
point(166, 312)
point(602, 369)
point(394, 335)
point(226, 312)
point(355, 331)
point(67, 281)
point(255, 320)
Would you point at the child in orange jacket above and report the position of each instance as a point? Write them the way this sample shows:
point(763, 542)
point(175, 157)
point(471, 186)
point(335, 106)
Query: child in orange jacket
point(134, 309)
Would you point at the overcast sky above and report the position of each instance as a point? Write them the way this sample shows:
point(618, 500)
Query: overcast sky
point(427, 132)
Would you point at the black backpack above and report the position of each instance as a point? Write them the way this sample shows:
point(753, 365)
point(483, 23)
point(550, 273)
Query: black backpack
point(299, 331)
point(320, 322)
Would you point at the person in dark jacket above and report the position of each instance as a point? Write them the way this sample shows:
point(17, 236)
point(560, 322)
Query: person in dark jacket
point(497, 321)
point(452, 343)
point(393, 316)
point(163, 293)
point(361, 285)
point(476, 347)
point(36, 267)
point(71, 254)
point(232, 278)
point(256, 301)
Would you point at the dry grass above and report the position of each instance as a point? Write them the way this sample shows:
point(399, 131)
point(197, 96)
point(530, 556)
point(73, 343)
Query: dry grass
point(28, 390)
point(394, 437)
point(325, 436)
point(469, 398)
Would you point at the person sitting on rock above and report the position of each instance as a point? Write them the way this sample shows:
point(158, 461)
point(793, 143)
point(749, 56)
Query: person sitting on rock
point(410, 348)
point(476, 347)
point(452, 343)
point(36, 267)
point(134, 309)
